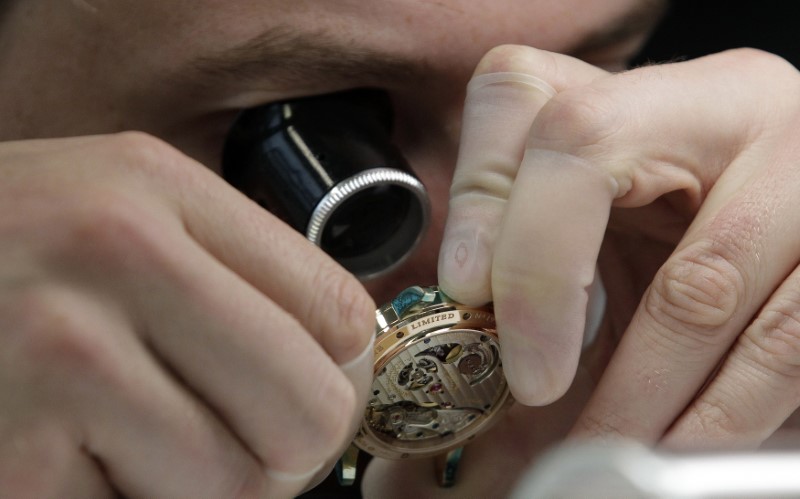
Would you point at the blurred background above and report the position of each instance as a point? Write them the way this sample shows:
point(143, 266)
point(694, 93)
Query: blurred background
point(693, 28)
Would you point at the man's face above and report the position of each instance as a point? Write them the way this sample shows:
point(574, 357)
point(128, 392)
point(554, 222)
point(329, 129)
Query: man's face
point(182, 69)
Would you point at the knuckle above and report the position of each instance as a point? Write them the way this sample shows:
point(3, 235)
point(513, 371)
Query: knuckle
point(139, 147)
point(53, 334)
point(773, 73)
point(115, 232)
point(608, 426)
point(760, 62)
point(495, 181)
point(713, 418)
point(144, 154)
point(577, 121)
point(697, 291)
point(775, 336)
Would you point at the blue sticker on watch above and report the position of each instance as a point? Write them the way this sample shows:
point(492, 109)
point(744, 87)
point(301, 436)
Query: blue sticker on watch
point(407, 299)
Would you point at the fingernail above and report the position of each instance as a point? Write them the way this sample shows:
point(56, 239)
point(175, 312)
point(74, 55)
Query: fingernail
point(511, 77)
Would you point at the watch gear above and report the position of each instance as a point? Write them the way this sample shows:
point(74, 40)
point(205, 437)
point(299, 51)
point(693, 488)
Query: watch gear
point(438, 380)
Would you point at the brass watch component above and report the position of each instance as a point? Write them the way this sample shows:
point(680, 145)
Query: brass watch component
point(438, 379)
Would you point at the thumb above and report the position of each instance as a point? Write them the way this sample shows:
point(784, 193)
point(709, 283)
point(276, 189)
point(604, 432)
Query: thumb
point(509, 87)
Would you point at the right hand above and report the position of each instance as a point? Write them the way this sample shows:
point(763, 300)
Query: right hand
point(163, 336)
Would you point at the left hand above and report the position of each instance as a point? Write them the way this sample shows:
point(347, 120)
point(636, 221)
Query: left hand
point(678, 182)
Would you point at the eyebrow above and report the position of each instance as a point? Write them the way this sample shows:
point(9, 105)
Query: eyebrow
point(641, 19)
point(287, 56)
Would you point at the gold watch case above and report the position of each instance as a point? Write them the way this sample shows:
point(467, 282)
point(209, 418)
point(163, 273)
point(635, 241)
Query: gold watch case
point(438, 378)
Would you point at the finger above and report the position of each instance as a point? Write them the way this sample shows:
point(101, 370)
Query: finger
point(543, 268)
point(41, 461)
point(252, 362)
point(83, 378)
point(245, 237)
point(758, 386)
point(275, 259)
point(509, 87)
point(737, 250)
point(589, 144)
point(329, 303)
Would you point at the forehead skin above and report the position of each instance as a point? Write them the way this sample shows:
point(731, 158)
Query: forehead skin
point(441, 30)
point(131, 59)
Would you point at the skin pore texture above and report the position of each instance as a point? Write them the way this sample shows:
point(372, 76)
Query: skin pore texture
point(162, 336)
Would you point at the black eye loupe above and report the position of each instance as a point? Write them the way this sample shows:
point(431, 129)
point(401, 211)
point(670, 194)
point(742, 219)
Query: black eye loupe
point(326, 166)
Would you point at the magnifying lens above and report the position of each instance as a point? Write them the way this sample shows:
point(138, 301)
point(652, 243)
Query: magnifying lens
point(326, 166)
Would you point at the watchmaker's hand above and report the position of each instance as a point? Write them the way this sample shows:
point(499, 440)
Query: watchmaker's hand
point(679, 182)
point(525, 237)
point(163, 336)
point(698, 160)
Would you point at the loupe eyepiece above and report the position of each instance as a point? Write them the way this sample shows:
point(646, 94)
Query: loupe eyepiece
point(326, 166)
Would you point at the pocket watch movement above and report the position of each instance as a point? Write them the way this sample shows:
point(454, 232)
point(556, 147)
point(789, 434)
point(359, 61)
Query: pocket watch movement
point(438, 378)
